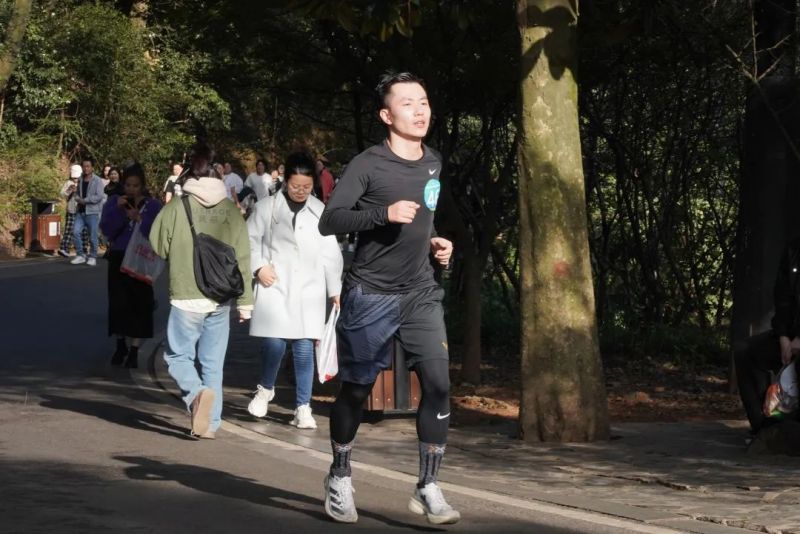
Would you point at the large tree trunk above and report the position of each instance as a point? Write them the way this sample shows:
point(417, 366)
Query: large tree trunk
point(15, 33)
point(770, 169)
point(563, 392)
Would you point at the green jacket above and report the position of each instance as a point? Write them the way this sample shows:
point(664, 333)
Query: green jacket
point(213, 214)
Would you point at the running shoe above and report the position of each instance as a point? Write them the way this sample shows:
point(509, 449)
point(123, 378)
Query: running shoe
point(429, 501)
point(303, 418)
point(339, 503)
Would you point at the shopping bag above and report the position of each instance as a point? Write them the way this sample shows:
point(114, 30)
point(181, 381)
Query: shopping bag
point(327, 362)
point(140, 261)
point(782, 395)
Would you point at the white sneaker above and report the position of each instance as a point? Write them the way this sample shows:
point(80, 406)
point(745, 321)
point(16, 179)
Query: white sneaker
point(430, 501)
point(77, 260)
point(339, 503)
point(302, 417)
point(258, 406)
point(91, 262)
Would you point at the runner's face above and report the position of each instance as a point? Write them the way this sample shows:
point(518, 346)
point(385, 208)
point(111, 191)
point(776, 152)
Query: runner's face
point(408, 112)
point(299, 187)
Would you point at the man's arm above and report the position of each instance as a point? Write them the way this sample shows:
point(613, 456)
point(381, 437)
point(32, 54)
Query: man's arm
point(784, 298)
point(340, 217)
point(161, 231)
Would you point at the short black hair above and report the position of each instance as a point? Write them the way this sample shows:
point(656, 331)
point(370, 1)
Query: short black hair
point(263, 162)
point(391, 78)
point(90, 159)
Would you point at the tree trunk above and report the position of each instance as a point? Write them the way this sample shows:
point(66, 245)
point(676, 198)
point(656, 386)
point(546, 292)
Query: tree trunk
point(563, 392)
point(15, 33)
point(769, 169)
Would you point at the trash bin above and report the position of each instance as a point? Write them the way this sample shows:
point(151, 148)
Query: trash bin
point(397, 389)
point(42, 228)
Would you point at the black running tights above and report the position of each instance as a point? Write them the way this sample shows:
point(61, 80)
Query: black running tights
point(433, 414)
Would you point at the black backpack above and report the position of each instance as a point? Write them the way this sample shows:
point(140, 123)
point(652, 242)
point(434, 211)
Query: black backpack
point(216, 270)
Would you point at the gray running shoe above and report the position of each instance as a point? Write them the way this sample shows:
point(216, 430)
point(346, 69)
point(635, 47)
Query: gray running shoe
point(429, 501)
point(339, 503)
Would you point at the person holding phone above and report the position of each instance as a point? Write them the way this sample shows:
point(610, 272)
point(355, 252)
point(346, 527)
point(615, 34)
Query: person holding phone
point(130, 301)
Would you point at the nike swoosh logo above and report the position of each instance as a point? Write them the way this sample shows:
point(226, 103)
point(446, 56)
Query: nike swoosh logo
point(431, 171)
point(440, 416)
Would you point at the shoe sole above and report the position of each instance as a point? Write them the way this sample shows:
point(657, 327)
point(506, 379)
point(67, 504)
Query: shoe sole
point(303, 427)
point(201, 417)
point(416, 507)
point(328, 510)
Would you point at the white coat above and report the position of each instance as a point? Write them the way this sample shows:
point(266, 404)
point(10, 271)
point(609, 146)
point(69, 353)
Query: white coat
point(308, 266)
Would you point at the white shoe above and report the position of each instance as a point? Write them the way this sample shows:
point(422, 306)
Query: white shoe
point(258, 406)
point(91, 262)
point(302, 417)
point(339, 503)
point(429, 501)
point(77, 260)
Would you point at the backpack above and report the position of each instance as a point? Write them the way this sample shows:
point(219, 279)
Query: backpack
point(216, 270)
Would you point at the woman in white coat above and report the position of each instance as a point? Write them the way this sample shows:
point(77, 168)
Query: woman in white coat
point(296, 270)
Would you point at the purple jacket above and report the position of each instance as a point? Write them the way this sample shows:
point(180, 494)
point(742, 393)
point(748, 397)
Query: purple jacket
point(116, 226)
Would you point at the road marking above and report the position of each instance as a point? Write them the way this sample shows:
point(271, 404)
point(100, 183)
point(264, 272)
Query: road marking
point(497, 498)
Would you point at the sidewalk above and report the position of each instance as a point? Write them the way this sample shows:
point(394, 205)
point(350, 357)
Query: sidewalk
point(688, 476)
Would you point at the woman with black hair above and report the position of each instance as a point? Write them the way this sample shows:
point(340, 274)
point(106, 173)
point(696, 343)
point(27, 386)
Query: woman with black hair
point(114, 186)
point(296, 270)
point(130, 301)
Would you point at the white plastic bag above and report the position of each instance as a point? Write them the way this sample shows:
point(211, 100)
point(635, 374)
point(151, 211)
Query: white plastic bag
point(327, 362)
point(140, 261)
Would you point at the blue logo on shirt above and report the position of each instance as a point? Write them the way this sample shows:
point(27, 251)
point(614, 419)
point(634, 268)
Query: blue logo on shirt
point(432, 189)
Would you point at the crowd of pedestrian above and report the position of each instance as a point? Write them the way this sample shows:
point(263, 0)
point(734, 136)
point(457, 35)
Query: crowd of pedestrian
point(267, 246)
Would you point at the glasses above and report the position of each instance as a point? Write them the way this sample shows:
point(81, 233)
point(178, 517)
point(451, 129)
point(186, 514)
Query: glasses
point(300, 188)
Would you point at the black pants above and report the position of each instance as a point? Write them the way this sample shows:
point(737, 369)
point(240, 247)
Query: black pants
point(433, 414)
point(754, 362)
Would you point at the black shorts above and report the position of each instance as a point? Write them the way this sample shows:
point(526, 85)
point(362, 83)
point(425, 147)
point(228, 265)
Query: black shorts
point(369, 323)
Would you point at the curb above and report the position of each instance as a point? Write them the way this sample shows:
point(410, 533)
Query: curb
point(154, 379)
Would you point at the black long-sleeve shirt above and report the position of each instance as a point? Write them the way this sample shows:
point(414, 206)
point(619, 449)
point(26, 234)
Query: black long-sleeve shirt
point(390, 258)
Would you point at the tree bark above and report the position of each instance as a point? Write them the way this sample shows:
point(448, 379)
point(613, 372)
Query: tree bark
point(770, 168)
point(563, 392)
point(15, 33)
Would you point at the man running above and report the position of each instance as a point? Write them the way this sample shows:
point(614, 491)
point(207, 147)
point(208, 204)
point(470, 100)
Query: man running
point(388, 195)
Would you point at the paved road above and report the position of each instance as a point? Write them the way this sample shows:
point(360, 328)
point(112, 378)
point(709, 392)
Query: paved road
point(83, 448)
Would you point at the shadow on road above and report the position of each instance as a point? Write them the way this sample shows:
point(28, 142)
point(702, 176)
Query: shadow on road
point(118, 414)
point(232, 486)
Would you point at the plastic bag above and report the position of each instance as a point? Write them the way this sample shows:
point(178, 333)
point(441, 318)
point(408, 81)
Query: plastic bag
point(327, 360)
point(140, 261)
point(783, 396)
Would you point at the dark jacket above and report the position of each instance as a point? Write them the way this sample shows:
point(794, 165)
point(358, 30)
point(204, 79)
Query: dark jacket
point(786, 321)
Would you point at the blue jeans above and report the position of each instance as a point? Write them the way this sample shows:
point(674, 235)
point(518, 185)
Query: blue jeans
point(90, 221)
point(272, 352)
point(202, 337)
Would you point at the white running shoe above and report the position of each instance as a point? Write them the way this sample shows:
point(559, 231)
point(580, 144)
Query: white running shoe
point(258, 406)
point(303, 418)
point(430, 501)
point(77, 260)
point(91, 262)
point(339, 503)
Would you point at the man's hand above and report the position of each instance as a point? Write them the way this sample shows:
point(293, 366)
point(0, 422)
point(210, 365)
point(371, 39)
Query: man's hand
point(403, 211)
point(441, 249)
point(786, 349)
point(336, 301)
point(244, 315)
point(267, 276)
